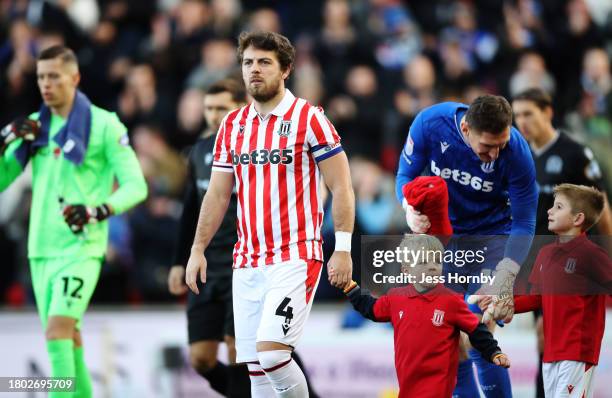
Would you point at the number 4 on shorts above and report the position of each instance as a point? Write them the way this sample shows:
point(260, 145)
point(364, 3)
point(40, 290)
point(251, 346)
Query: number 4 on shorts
point(286, 311)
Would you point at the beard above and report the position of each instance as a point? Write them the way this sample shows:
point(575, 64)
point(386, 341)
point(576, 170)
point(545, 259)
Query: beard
point(264, 93)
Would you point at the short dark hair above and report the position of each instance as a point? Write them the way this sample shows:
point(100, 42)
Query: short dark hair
point(268, 41)
point(538, 96)
point(489, 113)
point(58, 51)
point(232, 86)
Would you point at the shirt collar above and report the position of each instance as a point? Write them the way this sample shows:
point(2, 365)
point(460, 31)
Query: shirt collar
point(545, 147)
point(428, 295)
point(572, 244)
point(459, 113)
point(280, 110)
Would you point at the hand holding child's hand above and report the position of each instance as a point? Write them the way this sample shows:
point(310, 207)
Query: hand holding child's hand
point(486, 305)
point(483, 301)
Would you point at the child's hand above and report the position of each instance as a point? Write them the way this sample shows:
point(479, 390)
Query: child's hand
point(483, 301)
point(486, 304)
point(501, 359)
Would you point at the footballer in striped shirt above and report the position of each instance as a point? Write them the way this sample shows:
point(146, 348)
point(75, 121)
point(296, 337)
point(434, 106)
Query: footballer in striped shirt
point(274, 151)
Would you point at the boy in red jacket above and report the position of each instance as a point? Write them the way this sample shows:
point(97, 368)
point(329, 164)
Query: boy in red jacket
point(567, 282)
point(427, 318)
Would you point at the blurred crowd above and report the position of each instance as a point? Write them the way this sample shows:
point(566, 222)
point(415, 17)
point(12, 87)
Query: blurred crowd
point(371, 64)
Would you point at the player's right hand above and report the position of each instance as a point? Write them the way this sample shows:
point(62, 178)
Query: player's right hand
point(21, 127)
point(196, 265)
point(176, 280)
point(417, 222)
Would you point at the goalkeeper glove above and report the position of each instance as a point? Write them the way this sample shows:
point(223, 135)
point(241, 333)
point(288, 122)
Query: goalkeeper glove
point(19, 128)
point(76, 216)
point(501, 306)
point(505, 275)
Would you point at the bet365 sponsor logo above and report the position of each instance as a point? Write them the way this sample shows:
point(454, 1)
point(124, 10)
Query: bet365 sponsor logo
point(263, 156)
point(462, 177)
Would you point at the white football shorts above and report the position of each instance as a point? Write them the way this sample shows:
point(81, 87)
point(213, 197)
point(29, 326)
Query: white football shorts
point(568, 379)
point(272, 303)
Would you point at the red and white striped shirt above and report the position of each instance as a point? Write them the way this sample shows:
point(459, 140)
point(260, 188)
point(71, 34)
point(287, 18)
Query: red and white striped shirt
point(274, 164)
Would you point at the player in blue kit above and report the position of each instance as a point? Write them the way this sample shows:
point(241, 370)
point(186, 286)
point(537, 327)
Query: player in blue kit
point(490, 175)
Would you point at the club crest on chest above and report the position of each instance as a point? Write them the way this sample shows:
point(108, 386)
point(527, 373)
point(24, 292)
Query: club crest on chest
point(438, 318)
point(570, 266)
point(285, 128)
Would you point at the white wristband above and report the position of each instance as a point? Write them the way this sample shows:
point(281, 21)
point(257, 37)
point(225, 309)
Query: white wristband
point(343, 241)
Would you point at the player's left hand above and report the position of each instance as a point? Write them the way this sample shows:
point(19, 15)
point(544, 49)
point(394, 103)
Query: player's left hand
point(78, 215)
point(501, 305)
point(501, 359)
point(502, 308)
point(340, 269)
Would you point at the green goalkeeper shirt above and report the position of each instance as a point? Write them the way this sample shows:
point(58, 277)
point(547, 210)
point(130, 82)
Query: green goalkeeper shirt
point(108, 156)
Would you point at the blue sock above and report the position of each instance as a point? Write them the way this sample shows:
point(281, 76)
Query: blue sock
point(466, 382)
point(494, 380)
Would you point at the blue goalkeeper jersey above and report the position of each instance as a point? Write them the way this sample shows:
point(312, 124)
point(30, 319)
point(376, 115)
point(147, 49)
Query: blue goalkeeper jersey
point(495, 198)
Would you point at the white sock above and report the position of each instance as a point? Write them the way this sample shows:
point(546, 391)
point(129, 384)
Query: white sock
point(285, 375)
point(260, 384)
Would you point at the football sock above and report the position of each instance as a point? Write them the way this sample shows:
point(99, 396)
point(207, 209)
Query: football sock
point(285, 375)
point(61, 355)
point(494, 380)
point(217, 377)
point(298, 361)
point(83, 379)
point(466, 382)
point(260, 383)
point(239, 384)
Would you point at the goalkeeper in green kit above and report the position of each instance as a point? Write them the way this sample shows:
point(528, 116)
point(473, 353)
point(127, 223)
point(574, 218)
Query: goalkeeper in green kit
point(77, 150)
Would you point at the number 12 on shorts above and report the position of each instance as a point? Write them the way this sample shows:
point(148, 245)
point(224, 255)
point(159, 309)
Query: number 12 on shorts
point(285, 311)
point(76, 284)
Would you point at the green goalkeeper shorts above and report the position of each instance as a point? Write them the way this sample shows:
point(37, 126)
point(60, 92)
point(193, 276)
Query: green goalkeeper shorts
point(63, 286)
